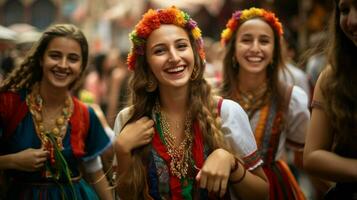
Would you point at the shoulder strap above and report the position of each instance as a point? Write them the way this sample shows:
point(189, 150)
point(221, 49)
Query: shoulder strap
point(219, 105)
point(13, 110)
point(80, 126)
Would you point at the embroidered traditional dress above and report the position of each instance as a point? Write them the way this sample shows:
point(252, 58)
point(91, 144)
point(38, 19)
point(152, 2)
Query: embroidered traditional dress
point(273, 128)
point(164, 185)
point(82, 142)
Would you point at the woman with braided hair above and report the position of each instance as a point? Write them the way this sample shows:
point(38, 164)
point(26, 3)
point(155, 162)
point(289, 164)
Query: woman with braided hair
point(49, 139)
point(175, 140)
point(278, 113)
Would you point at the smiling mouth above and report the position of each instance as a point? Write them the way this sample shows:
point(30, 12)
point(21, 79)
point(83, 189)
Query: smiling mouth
point(60, 75)
point(254, 59)
point(175, 70)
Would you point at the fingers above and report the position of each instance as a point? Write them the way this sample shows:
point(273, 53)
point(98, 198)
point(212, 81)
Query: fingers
point(147, 123)
point(216, 185)
point(223, 187)
point(203, 180)
point(213, 182)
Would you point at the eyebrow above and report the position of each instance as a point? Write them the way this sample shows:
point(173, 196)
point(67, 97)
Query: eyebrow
point(251, 35)
point(60, 52)
point(176, 41)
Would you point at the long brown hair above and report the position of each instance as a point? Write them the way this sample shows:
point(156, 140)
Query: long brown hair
point(339, 87)
point(30, 71)
point(231, 69)
point(203, 108)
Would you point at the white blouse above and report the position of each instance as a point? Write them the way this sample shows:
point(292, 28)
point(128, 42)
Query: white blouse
point(235, 126)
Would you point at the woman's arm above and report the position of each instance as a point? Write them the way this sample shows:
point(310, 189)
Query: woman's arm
point(100, 184)
point(221, 169)
point(319, 160)
point(26, 160)
point(253, 185)
point(220, 166)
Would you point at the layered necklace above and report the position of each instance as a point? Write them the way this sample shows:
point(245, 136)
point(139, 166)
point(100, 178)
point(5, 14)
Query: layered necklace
point(180, 155)
point(254, 100)
point(50, 135)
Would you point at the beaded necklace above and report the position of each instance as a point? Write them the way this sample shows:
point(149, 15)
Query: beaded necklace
point(252, 101)
point(180, 155)
point(51, 140)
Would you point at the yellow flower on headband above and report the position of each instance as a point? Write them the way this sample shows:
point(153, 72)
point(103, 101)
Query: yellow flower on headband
point(253, 12)
point(180, 19)
point(196, 32)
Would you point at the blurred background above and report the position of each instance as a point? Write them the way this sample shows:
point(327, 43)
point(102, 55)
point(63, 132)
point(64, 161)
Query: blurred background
point(107, 22)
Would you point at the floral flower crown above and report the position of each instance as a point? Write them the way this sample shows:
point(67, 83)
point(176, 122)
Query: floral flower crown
point(243, 15)
point(152, 20)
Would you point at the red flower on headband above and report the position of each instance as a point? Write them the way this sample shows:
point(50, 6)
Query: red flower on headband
point(232, 24)
point(131, 60)
point(150, 22)
point(167, 16)
point(272, 20)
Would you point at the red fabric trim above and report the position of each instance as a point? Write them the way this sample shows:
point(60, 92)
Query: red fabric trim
point(219, 106)
point(251, 159)
point(197, 152)
point(198, 148)
point(286, 180)
point(80, 126)
point(13, 110)
point(175, 185)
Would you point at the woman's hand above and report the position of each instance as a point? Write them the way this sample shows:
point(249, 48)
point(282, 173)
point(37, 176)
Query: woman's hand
point(30, 159)
point(215, 172)
point(136, 134)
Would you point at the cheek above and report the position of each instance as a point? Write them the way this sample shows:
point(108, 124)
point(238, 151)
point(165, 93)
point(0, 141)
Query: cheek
point(343, 23)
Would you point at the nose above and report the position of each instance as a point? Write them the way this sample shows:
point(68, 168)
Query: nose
point(63, 63)
point(352, 18)
point(174, 56)
point(255, 46)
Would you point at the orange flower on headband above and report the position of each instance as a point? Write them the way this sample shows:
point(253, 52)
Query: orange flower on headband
point(240, 16)
point(152, 20)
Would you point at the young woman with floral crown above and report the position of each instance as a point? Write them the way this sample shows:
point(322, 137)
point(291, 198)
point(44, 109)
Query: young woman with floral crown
point(49, 139)
point(331, 151)
point(176, 141)
point(278, 113)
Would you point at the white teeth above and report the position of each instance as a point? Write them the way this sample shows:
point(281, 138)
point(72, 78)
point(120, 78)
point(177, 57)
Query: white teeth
point(60, 74)
point(254, 59)
point(177, 69)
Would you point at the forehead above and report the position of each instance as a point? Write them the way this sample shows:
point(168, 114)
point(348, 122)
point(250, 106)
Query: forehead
point(255, 26)
point(348, 2)
point(166, 33)
point(64, 44)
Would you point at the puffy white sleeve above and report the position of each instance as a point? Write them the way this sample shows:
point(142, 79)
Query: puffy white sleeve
point(237, 130)
point(297, 120)
point(121, 119)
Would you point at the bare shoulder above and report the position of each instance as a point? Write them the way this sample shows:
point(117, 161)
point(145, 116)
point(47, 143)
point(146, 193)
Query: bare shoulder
point(324, 76)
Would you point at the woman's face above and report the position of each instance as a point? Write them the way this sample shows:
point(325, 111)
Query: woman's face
point(170, 56)
point(254, 46)
point(348, 18)
point(61, 62)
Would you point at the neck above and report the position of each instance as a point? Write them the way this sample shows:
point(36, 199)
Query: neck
point(52, 97)
point(174, 101)
point(250, 82)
